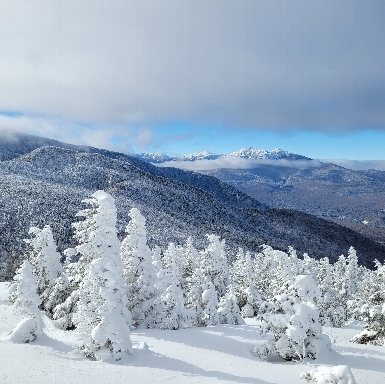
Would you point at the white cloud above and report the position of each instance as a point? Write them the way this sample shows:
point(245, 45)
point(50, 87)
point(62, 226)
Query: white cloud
point(358, 165)
point(233, 162)
point(114, 137)
point(273, 64)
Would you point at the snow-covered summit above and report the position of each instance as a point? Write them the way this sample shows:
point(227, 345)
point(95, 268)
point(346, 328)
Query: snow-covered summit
point(275, 154)
point(245, 153)
point(205, 155)
point(161, 158)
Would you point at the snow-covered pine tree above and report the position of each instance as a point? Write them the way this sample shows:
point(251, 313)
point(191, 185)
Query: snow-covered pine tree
point(326, 301)
point(202, 300)
point(281, 271)
point(308, 266)
point(26, 304)
point(339, 285)
point(171, 301)
point(292, 318)
point(89, 233)
point(228, 310)
point(263, 265)
point(45, 261)
point(371, 306)
point(370, 283)
point(189, 263)
point(213, 261)
point(352, 279)
point(194, 299)
point(294, 262)
point(241, 277)
point(210, 304)
point(101, 310)
point(138, 272)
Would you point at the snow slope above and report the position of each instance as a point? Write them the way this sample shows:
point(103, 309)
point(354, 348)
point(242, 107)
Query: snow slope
point(219, 354)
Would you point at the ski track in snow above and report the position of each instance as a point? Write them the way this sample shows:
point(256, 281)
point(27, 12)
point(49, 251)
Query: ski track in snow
point(195, 355)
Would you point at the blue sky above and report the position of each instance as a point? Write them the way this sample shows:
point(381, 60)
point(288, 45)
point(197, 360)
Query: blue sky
point(185, 76)
point(357, 145)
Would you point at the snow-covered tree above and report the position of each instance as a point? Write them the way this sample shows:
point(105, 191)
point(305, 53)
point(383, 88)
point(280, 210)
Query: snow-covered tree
point(371, 307)
point(339, 285)
point(171, 301)
point(242, 280)
point(263, 266)
point(331, 310)
point(202, 300)
point(101, 309)
point(26, 304)
point(189, 262)
point(45, 261)
point(91, 233)
point(228, 310)
point(292, 318)
point(210, 304)
point(139, 272)
point(213, 261)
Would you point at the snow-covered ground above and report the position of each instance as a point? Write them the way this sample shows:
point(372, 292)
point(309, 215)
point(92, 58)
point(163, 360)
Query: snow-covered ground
point(196, 355)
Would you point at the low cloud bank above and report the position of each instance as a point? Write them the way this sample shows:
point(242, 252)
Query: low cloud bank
point(358, 165)
point(233, 162)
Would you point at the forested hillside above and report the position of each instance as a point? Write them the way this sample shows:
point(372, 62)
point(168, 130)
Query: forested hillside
point(48, 184)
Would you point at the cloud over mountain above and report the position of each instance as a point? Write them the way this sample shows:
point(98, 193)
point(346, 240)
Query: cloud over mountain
point(314, 65)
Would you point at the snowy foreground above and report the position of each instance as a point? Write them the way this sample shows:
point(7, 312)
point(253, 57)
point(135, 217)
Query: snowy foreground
point(195, 355)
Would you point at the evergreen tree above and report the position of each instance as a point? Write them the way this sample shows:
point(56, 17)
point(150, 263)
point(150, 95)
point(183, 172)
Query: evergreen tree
point(139, 272)
point(292, 317)
point(45, 261)
point(189, 262)
point(229, 312)
point(91, 233)
point(26, 304)
point(213, 261)
point(101, 309)
point(242, 280)
point(371, 307)
point(171, 301)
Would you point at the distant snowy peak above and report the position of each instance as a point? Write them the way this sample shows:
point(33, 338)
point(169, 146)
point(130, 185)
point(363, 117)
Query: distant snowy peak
point(153, 157)
point(275, 154)
point(205, 155)
point(161, 158)
point(245, 153)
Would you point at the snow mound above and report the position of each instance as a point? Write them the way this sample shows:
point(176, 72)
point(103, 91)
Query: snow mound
point(340, 374)
point(27, 330)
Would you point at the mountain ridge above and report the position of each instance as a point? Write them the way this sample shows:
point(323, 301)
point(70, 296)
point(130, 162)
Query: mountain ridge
point(47, 185)
point(245, 153)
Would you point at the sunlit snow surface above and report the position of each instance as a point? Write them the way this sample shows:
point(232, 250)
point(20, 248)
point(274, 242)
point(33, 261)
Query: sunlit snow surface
point(218, 354)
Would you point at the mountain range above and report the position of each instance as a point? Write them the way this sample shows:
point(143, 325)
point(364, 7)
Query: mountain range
point(245, 153)
point(352, 198)
point(47, 184)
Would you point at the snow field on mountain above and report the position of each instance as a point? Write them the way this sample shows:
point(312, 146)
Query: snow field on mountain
point(193, 355)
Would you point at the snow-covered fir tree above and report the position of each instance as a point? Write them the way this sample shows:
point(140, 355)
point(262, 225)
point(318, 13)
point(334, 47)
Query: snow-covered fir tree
point(228, 310)
point(242, 280)
point(292, 318)
point(210, 304)
point(26, 301)
point(99, 220)
point(189, 262)
point(262, 266)
point(202, 300)
point(171, 302)
point(370, 305)
point(45, 261)
point(139, 272)
point(213, 261)
point(101, 310)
